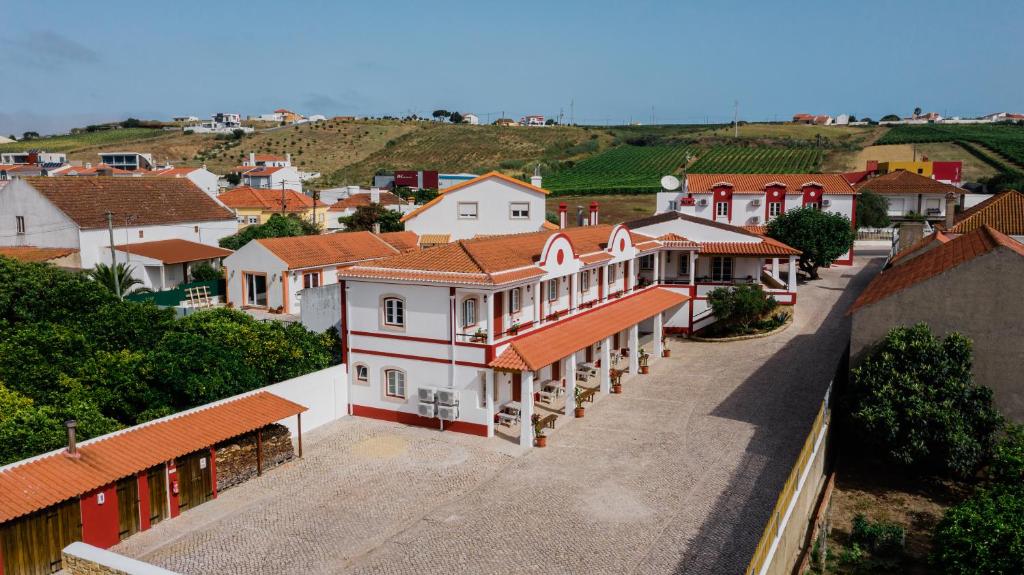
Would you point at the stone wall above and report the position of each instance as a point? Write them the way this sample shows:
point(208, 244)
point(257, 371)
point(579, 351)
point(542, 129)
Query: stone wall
point(84, 559)
point(236, 458)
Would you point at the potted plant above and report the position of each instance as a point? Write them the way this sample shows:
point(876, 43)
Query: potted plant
point(540, 439)
point(479, 335)
point(514, 328)
point(643, 360)
point(665, 351)
point(616, 375)
point(579, 402)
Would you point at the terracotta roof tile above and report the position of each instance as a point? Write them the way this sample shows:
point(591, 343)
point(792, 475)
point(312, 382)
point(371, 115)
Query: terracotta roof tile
point(267, 199)
point(547, 345)
point(933, 239)
point(31, 485)
point(357, 200)
point(768, 247)
point(677, 241)
point(934, 262)
point(174, 251)
point(404, 241)
point(746, 183)
point(433, 239)
point(461, 185)
point(1004, 212)
point(331, 249)
point(152, 201)
point(904, 182)
point(35, 254)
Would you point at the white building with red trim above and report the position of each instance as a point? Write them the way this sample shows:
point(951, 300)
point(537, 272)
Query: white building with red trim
point(754, 199)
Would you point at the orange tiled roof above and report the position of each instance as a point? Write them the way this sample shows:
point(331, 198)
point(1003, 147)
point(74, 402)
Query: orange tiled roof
point(330, 249)
point(546, 346)
point(746, 183)
point(756, 229)
point(677, 241)
point(267, 199)
point(435, 239)
point(270, 157)
point(766, 247)
point(172, 172)
point(152, 201)
point(357, 200)
point(1004, 212)
point(44, 481)
point(934, 262)
point(404, 241)
point(549, 226)
point(35, 254)
point(461, 185)
point(174, 251)
point(932, 239)
point(904, 182)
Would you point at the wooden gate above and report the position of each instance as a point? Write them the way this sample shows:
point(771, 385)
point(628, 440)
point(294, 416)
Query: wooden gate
point(32, 544)
point(194, 479)
point(127, 507)
point(156, 477)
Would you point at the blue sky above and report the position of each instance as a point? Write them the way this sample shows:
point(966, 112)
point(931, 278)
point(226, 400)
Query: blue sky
point(688, 59)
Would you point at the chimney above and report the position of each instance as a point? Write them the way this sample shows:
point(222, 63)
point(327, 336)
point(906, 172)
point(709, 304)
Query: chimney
point(536, 180)
point(252, 158)
point(950, 209)
point(579, 217)
point(351, 191)
point(562, 208)
point(288, 158)
point(72, 444)
point(687, 205)
point(375, 195)
point(910, 234)
point(376, 227)
point(872, 166)
point(593, 213)
point(412, 200)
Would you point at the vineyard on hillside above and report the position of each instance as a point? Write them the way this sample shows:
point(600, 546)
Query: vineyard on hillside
point(638, 169)
point(72, 142)
point(1004, 139)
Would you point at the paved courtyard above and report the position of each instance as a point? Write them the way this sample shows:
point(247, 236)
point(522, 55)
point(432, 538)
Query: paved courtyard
point(677, 475)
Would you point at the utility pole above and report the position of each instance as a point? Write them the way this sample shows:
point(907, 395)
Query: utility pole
point(572, 111)
point(282, 197)
point(113, 256)
point(736, 117)
point(127, 238)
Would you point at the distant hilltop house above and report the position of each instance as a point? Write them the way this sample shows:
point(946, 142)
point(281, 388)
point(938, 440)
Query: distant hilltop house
point(221, 123)
point(130, 161)
point(1003, 117)
point(535, 120)
point(272, 171)
point(355, 197)
point(280, 115)
point(813, 120)
point(505, 122)
point(412, 179)
point(33, 157)
point(471, 119)
point(185, 118)
point(841, 120)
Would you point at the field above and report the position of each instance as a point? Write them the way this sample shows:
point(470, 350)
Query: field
point(630, 169)
point(613, 209)
point(733, 160)
point(101, 139)
point(1005, 140)
point(975, 169)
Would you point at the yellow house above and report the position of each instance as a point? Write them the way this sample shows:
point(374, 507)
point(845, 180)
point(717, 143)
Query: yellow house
point(256, 205)
point(922, 168)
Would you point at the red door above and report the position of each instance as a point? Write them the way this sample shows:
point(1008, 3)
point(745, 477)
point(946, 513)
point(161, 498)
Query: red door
point(517, 387)
point(499, 314)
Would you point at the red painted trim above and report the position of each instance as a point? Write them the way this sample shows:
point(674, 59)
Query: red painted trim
point(344, 324)
point(284, 293)
point(213, 470)
point(142, 482)
point(561, 322)
point(499, 313)
point(415, 419)
point(600, 283)
point(418, 358)
point(717, 197)
point(100, 522)
point(406, 337)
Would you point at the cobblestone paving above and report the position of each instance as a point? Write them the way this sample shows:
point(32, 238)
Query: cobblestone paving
point(677, 475)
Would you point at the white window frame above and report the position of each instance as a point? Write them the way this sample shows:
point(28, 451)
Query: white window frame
point(469, 310)
point(673, 205)
point(250, 289)
point(467, 215)
point(585, 281)
point(553, 290)
point(313, 276)
point(254, 219)
point(362, 372)
point(611, 273)
point(722, 209)
point(515, 300)
point(394, 311)
point(774, 209)
point(394, 383)
point(519, 210)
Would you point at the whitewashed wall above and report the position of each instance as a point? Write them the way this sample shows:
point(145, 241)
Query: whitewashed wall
point(492, 197)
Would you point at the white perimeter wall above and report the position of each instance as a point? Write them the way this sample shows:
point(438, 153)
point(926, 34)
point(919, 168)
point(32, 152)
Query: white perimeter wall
point(324, 392)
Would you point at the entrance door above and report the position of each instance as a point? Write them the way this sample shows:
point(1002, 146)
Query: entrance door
point(499, 314)
point(32, 544)
point(156, 477)
point(517, 387)
point(256, 290)
point(127, 506)
point(195, 485)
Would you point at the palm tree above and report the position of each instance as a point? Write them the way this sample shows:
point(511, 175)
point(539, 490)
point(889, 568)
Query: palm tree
point(105, 276)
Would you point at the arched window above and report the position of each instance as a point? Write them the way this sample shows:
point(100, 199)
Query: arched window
point(362, 372)
point(395, 382)
point(394, 311)
point(469, 312)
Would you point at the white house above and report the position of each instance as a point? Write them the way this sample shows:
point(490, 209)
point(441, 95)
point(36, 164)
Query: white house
point(356, 197)
point(267, 160)
point(165, 264)
point(491, 204)
point(33, 157)
point(203, 179)
point(129, 161)
point(910, 194)
point(222, 123)
point(468, 334)
point(754, 199)
point(471, 119)
point(72, 213)
point(274, 177)
point(272, 273)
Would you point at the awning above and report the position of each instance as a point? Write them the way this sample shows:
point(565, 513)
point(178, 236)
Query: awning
point(548, 345)
point(174, 251)
point(50, 479)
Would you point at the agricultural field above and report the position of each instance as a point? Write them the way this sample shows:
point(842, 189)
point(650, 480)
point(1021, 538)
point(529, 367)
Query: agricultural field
point(98, 139)
point(630, 169)
point(613, 209)
point(974, 168)
point(735, 160)
point(1005, 140)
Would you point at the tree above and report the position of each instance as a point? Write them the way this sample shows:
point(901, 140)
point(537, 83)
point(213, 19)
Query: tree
point(131, 123)
point(1008, 457)
point(551, 122)
point(868, 120)
point(890, 118)
point(820, 236)
point(234, 178)
point(277, 226)
point(365, 217)
point(30, 135)
point(125, 281)
point(740, 306)
point(455, 118)
point(913, 401)
point(917, 111)
point(204, 272)
point(983, 534)
point(438, 114)
point(12, 137)
point(853, 118)
point(872, 211)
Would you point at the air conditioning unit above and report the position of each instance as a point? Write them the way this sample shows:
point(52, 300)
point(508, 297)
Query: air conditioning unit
point(427, 410)
point(702, 202)
point(448, 412)
point(427, 394)
point(826, 203)
point(934, 211)
point(447, 397)
point(755, 202)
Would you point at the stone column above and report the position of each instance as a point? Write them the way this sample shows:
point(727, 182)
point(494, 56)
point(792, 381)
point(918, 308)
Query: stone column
point(775, 267)
point(634, 349)
point(570, 383)
point(693, 266)
point(536, 303)
point(606, 365)
point(657, 335)
point(489, 400)
point(656, 272)
point(792, 274)
point(526, 425)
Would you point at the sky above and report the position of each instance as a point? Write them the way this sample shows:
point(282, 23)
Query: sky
point(594, 61)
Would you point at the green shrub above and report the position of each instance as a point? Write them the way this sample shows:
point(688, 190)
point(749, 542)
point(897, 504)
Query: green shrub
point(203, 272)
point(982, 535)
point(740, 306)
point(1008, 457)
point(882, 537)
point(852, 555)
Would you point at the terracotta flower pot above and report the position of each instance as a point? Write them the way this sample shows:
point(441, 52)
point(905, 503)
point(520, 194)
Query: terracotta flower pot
point(580, 411)
point(541, 441)
point(666, 353)
point(617, 388)
point(644, 370)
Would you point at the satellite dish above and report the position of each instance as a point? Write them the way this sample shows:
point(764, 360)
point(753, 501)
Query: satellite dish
point(670, 182)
